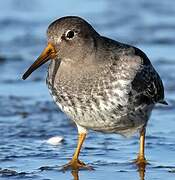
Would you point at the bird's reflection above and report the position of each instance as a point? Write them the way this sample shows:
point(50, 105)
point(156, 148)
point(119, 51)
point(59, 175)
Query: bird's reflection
point(75, 175)
point(141, 171)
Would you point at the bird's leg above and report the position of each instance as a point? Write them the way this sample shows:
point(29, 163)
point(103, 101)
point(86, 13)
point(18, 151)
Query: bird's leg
point(141, 161)
point(75, 163)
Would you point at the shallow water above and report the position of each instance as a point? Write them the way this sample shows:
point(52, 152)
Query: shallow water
point(28, 117)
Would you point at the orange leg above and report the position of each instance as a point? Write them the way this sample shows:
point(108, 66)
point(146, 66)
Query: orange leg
point(141, 161)
point(75, 163)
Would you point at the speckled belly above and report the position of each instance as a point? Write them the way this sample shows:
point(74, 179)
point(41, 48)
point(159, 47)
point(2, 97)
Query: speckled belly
point(108, 114)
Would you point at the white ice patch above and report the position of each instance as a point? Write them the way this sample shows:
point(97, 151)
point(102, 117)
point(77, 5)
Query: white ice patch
point(55, 140)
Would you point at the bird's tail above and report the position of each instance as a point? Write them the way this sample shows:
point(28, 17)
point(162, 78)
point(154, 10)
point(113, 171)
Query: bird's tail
point(163, 102)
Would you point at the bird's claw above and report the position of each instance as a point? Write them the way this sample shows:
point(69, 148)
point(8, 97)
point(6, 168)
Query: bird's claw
point(141, 162)
point(76, 165)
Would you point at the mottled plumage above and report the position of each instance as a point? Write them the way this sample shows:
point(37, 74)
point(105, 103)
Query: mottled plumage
point(112, 88)
point(101, 84)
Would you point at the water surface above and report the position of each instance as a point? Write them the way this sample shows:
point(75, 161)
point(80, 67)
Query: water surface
point(28, 117)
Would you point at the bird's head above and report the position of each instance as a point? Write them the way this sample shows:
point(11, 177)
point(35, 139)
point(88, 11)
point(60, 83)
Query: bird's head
point(70, 39)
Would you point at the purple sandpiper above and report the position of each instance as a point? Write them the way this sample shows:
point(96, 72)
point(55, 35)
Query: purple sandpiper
point(101, 84)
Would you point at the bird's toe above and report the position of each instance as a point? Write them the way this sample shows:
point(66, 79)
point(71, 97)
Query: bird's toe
point(76, 165)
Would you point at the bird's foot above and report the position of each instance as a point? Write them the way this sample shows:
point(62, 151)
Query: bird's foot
point(141, 162)
point(75, 165)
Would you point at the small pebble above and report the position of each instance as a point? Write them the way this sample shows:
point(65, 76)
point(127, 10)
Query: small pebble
point(55, 140)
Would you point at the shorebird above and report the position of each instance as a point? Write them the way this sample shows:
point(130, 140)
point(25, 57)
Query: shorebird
point(100, 83)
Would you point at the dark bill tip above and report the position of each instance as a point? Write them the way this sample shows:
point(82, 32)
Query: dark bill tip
point(39, 62)
point(25, 76)
point(48, 53)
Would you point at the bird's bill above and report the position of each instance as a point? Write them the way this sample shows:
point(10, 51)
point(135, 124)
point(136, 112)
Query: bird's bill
point(48, 53)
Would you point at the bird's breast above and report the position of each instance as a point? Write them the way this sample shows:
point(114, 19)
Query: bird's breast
point(91, 101)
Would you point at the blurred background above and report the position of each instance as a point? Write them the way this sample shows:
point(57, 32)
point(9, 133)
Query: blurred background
point(28, 117)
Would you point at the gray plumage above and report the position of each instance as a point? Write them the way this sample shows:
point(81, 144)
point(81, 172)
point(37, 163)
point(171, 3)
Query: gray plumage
point(101, 84)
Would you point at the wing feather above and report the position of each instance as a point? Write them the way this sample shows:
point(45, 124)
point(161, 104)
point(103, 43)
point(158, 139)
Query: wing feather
point(147, 81)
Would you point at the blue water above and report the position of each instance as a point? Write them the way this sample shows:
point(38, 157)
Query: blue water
point(28, 117)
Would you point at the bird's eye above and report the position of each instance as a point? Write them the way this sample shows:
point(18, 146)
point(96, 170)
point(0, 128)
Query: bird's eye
point(70, 34)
